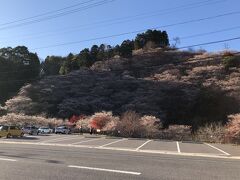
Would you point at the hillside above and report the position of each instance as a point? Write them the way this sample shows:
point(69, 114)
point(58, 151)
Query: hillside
point(178, 87)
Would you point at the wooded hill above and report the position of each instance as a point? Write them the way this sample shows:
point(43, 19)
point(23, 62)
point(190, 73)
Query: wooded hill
point(179, 87)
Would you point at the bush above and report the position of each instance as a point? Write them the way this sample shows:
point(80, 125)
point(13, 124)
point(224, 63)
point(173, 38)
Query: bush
point(151, 126)
point(233, 128)
point(130, 125)
point(211, 106)
point(214, 133)
point(84, 123)
point(231, 61)
point(104, 121)
point(176, 132)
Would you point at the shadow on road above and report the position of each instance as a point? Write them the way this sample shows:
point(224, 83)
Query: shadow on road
point(25, 138)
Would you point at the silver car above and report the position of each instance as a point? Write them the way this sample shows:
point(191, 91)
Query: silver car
point(31, 130)
point(62, 130)
point(45, 130)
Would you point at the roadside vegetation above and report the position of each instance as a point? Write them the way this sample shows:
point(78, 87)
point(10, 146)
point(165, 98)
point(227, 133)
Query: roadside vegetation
point(132, 124)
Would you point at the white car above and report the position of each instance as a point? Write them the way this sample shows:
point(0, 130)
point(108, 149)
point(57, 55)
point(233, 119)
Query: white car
point(45, 130)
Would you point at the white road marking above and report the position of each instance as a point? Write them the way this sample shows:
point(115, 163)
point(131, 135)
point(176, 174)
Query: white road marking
point(5, 159)
point(143, 145)
point(106, 170)
point(217, 149)
point(60, 139)
point(178, 147)
point(112, 143)
point(85, 141)
point(217, 156)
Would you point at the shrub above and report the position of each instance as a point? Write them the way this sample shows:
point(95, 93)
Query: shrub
point(129, 125)
point(212, 105)
point(176, 132)
point(231, 61)
point(233, 127)
point(111, 125)
point(151, 126)
point(103, 120)
point(84, 123)
point(214, 133)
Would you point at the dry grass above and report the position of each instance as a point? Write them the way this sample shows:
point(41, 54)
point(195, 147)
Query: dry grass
point(176, 132)
point(233, 128)
point(214, 133)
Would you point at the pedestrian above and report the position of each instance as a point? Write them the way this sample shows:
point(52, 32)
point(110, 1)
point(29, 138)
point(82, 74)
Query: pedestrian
point(80, 130)
point(91, 130)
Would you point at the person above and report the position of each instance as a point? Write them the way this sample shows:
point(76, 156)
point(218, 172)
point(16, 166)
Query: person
point(91, 130)
point(80, 130)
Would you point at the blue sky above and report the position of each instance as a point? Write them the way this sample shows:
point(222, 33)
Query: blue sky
point(83, 25)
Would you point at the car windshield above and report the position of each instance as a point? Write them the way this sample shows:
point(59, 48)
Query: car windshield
point(3, 128)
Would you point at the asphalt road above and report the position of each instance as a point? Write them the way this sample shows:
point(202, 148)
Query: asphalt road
point(50, 162)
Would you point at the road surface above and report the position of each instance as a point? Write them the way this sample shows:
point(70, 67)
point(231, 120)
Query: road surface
point(78, 157)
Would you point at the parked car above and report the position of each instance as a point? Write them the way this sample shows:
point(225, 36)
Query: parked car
point(62, 130)
point(45, 130)
point(31, 130)
point(10, 131)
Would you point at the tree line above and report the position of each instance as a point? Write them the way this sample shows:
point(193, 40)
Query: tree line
point(54, 65)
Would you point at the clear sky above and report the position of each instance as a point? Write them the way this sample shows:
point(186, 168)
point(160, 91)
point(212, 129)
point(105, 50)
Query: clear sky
point(111, 18)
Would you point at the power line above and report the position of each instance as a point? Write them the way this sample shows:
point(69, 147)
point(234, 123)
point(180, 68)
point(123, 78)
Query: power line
point(209, 43)
point(59, 15)
point(209, 33)
point(47, 13)
point(138, 31)
point(132, 18)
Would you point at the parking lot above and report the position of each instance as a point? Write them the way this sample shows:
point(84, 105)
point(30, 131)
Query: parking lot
point(126, 144)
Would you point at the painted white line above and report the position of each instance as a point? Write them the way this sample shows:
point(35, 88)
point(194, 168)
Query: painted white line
point(217, 156)
point(112, 143)
point(178, 147)
point(85, 141)
point(217, 149)
point(143, 145)
point(60, 139)
point(11, 160)
point(69, 139)
point(106, 170)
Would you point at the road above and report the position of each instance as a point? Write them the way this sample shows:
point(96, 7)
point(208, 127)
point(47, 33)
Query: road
point(31, 161)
